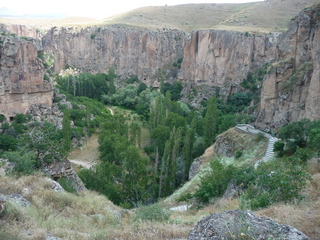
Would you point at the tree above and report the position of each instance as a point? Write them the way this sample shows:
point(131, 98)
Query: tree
point(66, 131)
point(314, 140)
point(111, 76)
point(210, 122)
point(134, 176)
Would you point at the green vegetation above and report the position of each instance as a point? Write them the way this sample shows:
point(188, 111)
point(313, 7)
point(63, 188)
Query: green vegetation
point(304, 70)
point(153, 212)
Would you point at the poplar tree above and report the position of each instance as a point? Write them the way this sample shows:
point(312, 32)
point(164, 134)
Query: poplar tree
point(210, 122)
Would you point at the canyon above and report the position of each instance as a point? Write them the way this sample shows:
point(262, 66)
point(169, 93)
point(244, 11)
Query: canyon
point(290, 89)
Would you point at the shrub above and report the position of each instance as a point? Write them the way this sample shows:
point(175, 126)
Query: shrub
point(278, 147)
point(24, 163)
point(238, 154)
point(153, 212)
point(93, 36)
point(280, 181)
point(67, 184)
point(7, 142)
point(2, 118)
point(259, 137)
point(20, 118)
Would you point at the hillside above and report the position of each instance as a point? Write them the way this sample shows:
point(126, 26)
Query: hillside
point(267, 16)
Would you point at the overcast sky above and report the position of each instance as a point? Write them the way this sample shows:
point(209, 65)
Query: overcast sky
point(93, 8)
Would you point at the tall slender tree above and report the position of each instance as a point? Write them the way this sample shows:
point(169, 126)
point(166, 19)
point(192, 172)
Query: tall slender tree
point(210, 122)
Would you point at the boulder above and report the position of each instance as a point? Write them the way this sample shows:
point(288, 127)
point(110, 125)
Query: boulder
point(238, 224)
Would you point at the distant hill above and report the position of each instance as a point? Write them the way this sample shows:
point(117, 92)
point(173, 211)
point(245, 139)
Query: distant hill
point(270, 15)
point(267, 16)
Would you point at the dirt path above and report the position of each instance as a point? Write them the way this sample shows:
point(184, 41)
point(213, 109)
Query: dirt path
point(111, 111)
point(88, 155)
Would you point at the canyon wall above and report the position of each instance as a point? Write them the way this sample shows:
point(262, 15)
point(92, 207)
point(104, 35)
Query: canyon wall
point(213, 58)
point(292, 90)
point(21, 75)
point(129, 52)
point(217, 58)
point(22, 30)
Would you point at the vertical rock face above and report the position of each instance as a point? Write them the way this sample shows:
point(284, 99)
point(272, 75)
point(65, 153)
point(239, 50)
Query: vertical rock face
point(22, 30)
point(129, 52)
point(292, 90)
point(21, 75)
point(215, 57)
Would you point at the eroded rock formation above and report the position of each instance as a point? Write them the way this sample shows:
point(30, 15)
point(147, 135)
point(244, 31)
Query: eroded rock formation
point(21, 75)
point(239, 224)
point(292, 90)
point(129, 52)
point(22, 30)
point(224, 58)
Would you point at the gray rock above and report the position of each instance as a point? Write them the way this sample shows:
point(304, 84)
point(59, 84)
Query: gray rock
point(232, 190)
point(51, 237)
point(17, 198)
point(14, 198)
point(195, 167)
point(239, 224)
point(55, 186)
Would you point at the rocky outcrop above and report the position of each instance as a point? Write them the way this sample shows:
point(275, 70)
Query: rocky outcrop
point(128, 51)
point(292, 90)
point(239, 224)
point(21, 75)
point(22, 30)
point(63, 169)
point(224, 58)
point(195, 167)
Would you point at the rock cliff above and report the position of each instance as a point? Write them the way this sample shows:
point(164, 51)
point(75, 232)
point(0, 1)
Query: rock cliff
point(22, 30)
point(224, 58)
point(128, 51)
point(21, 75)
point(292, 90)
point(212, 58)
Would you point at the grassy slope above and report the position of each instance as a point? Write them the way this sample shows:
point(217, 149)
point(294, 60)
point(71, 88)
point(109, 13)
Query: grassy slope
point(81, 216)
point(252, 149)
point(254, 17)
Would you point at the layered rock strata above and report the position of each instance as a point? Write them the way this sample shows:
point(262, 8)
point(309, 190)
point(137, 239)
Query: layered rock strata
point(21, 75)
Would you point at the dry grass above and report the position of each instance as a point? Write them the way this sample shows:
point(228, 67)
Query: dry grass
point(86, 215)
point(305, 216)
point(252, 17)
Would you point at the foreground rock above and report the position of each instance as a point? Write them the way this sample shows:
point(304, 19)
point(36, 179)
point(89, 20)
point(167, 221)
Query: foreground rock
point(63, 169)
point(239, 224)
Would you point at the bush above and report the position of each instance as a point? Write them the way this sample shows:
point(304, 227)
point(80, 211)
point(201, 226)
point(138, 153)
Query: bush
point(7, 142)
point(20, 118)
point(259, 137)
point(2, 118)
point(278, 147)
point(280, 181)
point(67, 184)
point(238, 154)
point(24, 163)
point(153, 212)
